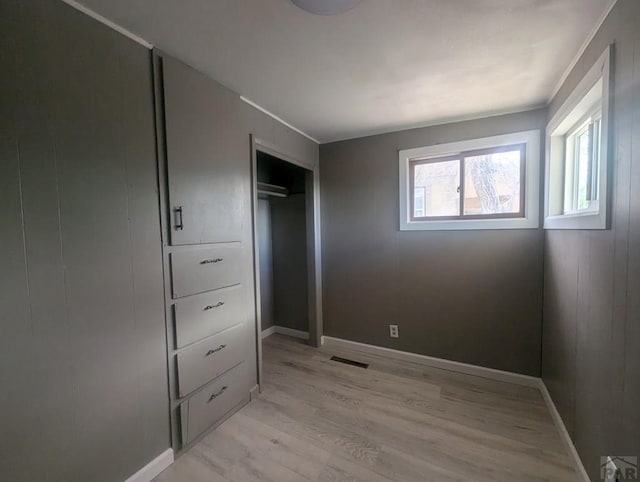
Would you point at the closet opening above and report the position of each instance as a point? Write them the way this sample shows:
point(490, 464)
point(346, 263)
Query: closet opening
point(284, 195)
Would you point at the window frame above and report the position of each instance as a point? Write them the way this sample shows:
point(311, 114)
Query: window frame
point(461, 158)
point(530, 184)
point(571, 116)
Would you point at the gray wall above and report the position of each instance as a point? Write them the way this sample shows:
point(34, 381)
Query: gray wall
point(591, 347)
point(290, 262)
point(470, 296)
point(266, 262)
point(83, 351)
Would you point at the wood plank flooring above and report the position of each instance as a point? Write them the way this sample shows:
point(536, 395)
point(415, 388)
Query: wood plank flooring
point(321, 420)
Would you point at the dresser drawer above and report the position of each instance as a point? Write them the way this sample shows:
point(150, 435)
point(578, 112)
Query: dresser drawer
point(199, 270)
point(213, 402)
point(199, 316)
point(210, 358)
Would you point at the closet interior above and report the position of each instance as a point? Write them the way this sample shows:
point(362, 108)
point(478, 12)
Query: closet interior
point(282, 239)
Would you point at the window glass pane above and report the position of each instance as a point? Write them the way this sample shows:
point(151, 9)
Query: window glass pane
point(582, 169)
point(595, 164)
point(492, 183)
point(437, 184)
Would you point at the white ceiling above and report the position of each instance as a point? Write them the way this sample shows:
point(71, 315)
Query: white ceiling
point(385, 65)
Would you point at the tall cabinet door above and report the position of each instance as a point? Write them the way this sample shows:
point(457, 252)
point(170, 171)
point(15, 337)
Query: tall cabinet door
point(205, 149)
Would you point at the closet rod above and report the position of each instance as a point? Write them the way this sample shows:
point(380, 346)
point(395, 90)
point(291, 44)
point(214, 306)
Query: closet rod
point(272, 190)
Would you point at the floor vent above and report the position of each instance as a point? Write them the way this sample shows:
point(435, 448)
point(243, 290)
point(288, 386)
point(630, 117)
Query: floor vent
point(350, 362)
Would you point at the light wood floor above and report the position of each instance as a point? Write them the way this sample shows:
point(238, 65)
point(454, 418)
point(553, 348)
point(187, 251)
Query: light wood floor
point(321, 420)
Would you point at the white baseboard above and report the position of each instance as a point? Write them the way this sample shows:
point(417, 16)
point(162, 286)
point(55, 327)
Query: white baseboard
point(153, 468)
point(430, 361)
point(283, 330)
point(268, 331)
point(562, 430)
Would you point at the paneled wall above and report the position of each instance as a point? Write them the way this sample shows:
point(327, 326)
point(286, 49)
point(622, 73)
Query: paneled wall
point(469, 296)
point(591, 343)
point(82, 351)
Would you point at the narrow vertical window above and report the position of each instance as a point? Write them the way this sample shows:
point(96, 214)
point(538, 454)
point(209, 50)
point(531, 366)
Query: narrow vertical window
point(577, 166)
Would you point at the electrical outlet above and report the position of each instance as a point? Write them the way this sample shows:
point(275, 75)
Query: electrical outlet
point(393, 331)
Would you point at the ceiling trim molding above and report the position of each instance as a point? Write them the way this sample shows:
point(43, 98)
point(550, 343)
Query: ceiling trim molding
point(581, 50)
point(275, 117)
point(445, 121)
point(108, 23)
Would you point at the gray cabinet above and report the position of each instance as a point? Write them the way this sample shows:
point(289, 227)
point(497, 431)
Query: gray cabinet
point(197, 317)
point(207, 359)
point(210, 404)
point(205, 183)
point(205, 268)
point(207, 157)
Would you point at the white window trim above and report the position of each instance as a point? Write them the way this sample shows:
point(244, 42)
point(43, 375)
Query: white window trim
point(555, 155)
point(531, 220)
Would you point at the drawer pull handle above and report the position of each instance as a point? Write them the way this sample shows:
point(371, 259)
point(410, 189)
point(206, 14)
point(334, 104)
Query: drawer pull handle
point(212, 260)
point(179, 224)
point(217, 394)
point(215, 350)
point(217, 305)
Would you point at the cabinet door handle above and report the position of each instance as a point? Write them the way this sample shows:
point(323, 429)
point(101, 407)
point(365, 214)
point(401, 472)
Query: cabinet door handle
point(179, 224)
point(212, 260)
point(217, 305)
point(215, 350)
point(217, 394)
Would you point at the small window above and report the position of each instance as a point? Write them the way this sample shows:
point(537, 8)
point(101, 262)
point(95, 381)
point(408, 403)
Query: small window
point(474, 184)
point(482, 187)
point(577, 163)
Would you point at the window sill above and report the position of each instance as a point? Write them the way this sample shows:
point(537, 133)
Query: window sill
point(470, 224)
point(588, 220)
